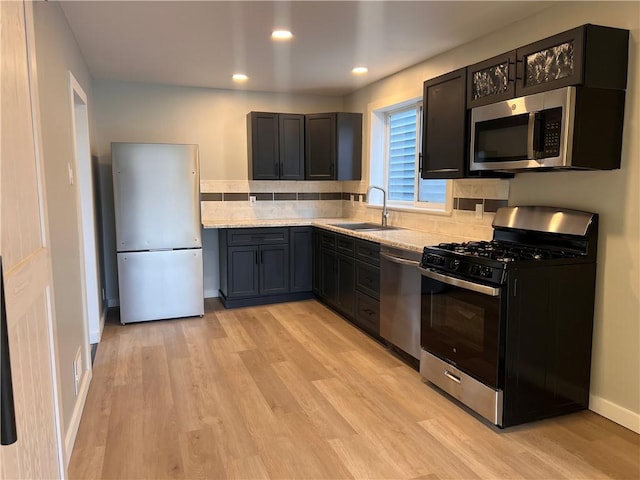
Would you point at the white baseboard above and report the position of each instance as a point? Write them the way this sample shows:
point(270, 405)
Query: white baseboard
point(96, 335)
point(78, 408)
point(615, 413)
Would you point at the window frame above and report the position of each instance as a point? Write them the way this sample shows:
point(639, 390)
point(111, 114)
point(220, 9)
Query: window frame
point(380, 124)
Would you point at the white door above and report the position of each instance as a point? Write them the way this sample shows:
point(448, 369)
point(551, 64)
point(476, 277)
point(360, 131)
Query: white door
point(25, 258)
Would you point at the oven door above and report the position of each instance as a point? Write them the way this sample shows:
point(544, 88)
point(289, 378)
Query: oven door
point(461, 324)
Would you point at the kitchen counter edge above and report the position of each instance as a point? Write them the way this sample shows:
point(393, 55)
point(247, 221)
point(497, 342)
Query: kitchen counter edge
point(403, 237)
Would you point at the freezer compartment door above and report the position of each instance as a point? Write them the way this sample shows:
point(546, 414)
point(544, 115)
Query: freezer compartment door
point(156, 285)
point(156, 191)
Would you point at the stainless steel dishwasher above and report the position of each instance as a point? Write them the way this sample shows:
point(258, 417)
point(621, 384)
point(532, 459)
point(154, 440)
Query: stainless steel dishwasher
point(400, 287)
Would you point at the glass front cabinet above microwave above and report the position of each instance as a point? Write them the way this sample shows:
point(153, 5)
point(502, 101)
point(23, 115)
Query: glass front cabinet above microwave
point(590, 55)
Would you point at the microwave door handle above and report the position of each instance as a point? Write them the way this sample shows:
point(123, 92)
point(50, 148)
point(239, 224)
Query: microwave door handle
point(531, 136)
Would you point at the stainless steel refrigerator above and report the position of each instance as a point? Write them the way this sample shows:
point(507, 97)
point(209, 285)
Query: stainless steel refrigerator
point(158, 230)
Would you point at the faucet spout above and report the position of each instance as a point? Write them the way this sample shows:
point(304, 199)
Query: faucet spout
point(385, 212)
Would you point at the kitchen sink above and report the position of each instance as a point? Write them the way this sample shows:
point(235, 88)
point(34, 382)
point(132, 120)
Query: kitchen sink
point(365, 226)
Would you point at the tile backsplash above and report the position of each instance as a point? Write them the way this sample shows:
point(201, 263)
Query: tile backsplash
point(223, 200)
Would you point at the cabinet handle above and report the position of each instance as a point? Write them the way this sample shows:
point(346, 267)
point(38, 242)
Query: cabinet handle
point(519, 69)
point(511, 71)
point(368, 311)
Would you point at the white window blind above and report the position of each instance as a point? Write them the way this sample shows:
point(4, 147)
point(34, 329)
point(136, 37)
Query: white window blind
point(404, 131)
point(402, 155)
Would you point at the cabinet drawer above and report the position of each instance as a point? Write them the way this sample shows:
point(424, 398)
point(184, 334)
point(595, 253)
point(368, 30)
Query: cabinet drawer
point(328, 240)
point(345, 244)
point(257, 236)
point(367, 314)
point(368, 279)
point(368, 252)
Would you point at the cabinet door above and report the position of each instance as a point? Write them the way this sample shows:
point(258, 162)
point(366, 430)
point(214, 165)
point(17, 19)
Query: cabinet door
point(348, 146)
point(445, 126)
point(346, 285)
point(291, 140)
point(264, 156)
point(492, 80)
point(551, 63)
point(242, 271)
point(274, 269)
point(328, 276)
point(316, 261)
point(320, 132)
point(300, 265)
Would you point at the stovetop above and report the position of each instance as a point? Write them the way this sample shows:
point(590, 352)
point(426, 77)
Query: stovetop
point(504, 252)
point(527, 236)
point(488, 262)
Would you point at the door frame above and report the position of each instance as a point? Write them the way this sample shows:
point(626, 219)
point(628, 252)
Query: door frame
point(91, 301)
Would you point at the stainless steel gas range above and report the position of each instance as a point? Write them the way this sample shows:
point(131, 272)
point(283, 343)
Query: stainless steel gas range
point(506, 325)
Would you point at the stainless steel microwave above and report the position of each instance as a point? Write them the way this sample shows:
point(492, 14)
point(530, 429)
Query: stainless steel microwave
point(535, 131)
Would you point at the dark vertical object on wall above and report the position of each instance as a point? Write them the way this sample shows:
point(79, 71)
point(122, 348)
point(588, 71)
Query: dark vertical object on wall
point(8, 433)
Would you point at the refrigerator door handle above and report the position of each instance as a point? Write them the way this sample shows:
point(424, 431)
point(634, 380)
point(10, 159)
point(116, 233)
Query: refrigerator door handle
point(8, 430)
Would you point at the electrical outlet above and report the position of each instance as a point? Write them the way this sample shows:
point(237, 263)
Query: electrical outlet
point(479, 210)
point(353, 199)
point(77, 371)
point(252, 200)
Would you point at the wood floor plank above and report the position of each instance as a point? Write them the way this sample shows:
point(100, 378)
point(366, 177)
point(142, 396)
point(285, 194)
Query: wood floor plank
point(322, 416)
point(250, 468)
point(201, 455)
point(293, 391)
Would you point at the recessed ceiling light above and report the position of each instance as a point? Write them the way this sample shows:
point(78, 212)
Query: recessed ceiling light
point(281, 35)
point(240, 77)
point(360, 70)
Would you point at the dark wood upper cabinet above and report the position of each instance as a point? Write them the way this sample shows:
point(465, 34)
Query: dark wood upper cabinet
point(444, 132)
point(590, 55)
point(275, 146)
point(333, 146)
point(492, 80)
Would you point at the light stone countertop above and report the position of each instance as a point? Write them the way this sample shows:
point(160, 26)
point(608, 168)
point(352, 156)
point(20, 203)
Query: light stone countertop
point(405, 238)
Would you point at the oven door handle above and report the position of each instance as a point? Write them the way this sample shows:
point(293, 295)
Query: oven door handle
point(458, 282)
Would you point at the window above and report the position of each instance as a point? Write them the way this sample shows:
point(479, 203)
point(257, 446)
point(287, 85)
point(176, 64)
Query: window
point(395, 161)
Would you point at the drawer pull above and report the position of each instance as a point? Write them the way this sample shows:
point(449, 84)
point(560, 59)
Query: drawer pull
point(451, 376)
point(368, 311)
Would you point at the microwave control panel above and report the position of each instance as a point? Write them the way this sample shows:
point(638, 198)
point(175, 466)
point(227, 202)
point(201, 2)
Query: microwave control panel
point(552, 121)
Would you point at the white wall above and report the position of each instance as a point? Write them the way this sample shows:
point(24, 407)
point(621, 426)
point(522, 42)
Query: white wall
point(615, 383)
point(57, 53)
point(213, 119)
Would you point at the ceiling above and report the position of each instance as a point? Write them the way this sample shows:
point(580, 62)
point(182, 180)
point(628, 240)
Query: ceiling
point(202, 44)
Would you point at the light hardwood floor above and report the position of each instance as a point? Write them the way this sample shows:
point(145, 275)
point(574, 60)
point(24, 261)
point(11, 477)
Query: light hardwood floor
point(294, 391)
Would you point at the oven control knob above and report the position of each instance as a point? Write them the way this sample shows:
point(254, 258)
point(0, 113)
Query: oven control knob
point(454, 265)
point(486, 272)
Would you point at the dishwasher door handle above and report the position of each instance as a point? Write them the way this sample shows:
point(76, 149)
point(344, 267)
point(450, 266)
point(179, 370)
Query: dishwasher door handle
point(401, 261)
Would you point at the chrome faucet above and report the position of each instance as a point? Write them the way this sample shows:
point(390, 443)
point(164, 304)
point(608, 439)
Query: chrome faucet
point(385, 212)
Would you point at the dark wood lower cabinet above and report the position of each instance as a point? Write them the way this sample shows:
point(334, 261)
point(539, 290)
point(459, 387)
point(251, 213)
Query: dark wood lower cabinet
point(301, 244)
point(346, 285)
point(347, 278)
point(264, 265)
